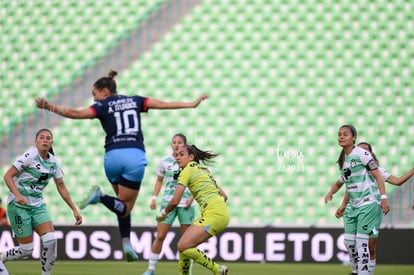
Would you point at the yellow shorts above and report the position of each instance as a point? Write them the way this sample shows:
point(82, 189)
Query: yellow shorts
point(214, 216)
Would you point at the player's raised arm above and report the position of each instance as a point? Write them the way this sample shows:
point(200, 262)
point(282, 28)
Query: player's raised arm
point(159, 104)
point(68, 112)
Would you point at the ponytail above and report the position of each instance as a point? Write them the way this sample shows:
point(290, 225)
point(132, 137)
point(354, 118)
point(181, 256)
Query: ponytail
point(107, 82)
point(200, 155)
point(341, 159)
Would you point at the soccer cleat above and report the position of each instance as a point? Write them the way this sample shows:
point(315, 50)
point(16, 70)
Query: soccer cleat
point(93, 197)
point(223, 270)
point(129, 252)
point(149, 272)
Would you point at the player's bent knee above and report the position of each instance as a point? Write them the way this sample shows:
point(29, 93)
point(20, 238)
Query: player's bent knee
point(182, 247)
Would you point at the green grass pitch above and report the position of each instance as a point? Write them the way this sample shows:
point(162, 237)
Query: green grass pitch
point(171, 268)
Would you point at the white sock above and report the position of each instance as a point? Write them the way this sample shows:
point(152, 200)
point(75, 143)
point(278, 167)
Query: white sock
point(49, 252)
point(353, 255)
point(153, 260)
point(363, 253)
point(18, 252)
point(371, 266)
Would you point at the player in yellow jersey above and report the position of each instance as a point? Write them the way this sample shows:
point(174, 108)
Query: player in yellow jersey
point(212, 201)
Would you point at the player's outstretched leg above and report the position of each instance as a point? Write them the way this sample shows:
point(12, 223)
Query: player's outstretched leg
point(93, 197)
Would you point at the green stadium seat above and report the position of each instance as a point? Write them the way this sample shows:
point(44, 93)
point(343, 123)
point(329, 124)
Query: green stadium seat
point(61, 44)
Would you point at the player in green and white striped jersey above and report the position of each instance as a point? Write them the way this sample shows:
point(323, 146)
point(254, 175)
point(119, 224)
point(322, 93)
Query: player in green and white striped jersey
point(26, 179)
point(345, 205)
point(167, 174)
point(367, 197)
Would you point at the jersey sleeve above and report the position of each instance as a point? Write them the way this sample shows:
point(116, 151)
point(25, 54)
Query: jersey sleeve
point(384, 173)
point(161, 169)
point(96, 108)
point(143, 103)
point(58, 171)
point(93, 110)
point(24, 160)
point(367, 160)
point(184, 177)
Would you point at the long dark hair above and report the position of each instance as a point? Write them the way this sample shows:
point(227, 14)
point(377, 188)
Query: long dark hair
point(200, 155)
point(354, 133)
point(107, 82)
point(374, 156)
point(50, 132)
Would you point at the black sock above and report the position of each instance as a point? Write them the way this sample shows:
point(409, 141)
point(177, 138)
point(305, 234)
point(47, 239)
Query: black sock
point(114, 204)
point(125, 226)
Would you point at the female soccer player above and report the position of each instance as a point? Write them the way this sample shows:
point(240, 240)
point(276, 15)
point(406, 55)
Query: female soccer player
point(212, 200)
point(342, 210)
point(364, 219)
point(26, 179)
point(120, 117)
point(167, 173)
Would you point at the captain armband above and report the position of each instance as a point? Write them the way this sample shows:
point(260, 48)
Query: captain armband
point(372, 165)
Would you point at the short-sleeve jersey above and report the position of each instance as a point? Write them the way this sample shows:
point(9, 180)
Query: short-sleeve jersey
point(120, 117)
point(169, 170)
point(384, 173)
point(355, 173)
point(33, 176)
point(201, 183)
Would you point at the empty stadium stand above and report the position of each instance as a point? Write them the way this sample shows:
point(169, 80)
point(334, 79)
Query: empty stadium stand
point(282, 77)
